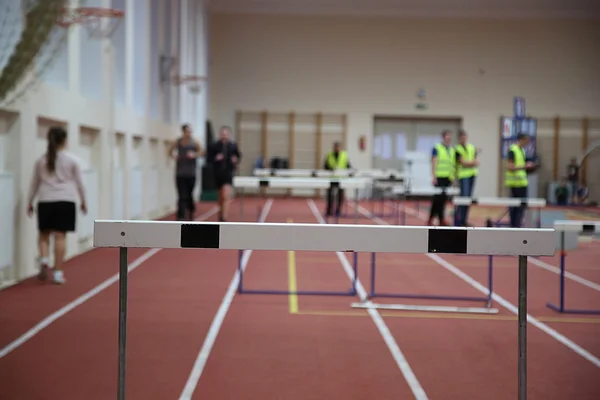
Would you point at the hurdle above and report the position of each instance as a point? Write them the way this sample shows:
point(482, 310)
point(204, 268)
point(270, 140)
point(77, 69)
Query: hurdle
point(520, 243)
point(385, 174)
point(379, 178)
point(254, 182)
point(404, 192)
point(373, 293)
point(581, 228)
point(535, 203)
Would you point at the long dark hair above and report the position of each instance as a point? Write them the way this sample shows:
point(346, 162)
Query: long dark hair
point(57, 136)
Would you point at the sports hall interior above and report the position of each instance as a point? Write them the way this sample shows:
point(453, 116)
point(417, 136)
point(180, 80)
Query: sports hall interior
point(291, 78)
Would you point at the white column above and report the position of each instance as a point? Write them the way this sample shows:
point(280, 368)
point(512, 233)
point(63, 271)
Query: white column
point(149, 60)
point(129, 54)
point(175, 21)
point(184, 55)
point(26, 232)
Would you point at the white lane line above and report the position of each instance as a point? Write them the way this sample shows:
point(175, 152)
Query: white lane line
point(84, 297)
point(504, 303)
point(576, 278)
point(383, 329)
point(217, 321)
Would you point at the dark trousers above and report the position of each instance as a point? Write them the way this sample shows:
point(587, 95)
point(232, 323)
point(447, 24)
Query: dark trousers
point(185, 200)
point(461, 214)
point(340, 199)
point(516, 213)
point(438, 202)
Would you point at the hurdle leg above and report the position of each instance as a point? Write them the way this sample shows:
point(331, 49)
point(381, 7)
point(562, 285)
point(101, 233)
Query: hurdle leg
point(355, 268)
point(372, 275)
point(522, 316)
point(122, 357)
point(562, 271)
point(490, 280)
point(561, 293)
point(356, 207)
point(242, 204)
point(240, 272)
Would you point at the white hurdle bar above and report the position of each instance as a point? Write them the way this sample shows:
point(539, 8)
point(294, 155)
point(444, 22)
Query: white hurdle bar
point(404, 193)
point(383, 174)
point(509, 202)
point(581, 228)
point(253, 182)
point(317, 237)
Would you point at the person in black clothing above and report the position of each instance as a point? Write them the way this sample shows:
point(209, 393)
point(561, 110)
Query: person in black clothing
point(562, 193)
point(521, 192)
point(188, 150)
point(336, 159)
point(225, 156)
point(573, 177)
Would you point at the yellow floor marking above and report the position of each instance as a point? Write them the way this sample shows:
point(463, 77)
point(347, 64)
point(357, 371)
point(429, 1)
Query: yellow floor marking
point(360, 313)
point(293, 287)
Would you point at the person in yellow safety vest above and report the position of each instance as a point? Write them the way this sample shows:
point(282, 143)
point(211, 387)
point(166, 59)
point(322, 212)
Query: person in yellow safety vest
point(515, 177)
point(336, 159)
point(443, 168)
point(466, 173)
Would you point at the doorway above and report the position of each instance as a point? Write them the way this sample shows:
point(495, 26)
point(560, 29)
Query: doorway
point(394, 136)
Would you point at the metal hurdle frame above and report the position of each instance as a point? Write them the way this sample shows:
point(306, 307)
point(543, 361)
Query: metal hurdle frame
point(317, 237)
point(581, 228)
point(401, 192)
point(379, 178)
point(253, 182)
point(535, 203)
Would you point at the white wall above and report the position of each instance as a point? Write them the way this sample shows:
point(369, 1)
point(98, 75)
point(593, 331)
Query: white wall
point(95, 102)
point(367, 66)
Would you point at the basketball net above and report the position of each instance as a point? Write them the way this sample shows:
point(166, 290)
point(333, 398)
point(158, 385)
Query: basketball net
point(98, 22)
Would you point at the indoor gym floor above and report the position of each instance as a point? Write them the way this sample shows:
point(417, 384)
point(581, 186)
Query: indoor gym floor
point(305, 347)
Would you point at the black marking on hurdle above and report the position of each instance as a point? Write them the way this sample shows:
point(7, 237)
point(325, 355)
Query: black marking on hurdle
point(588, 228)
point(263, 183)
point(474, 201)
point(196, 236)
point(273, 172)
point(449, 241)
point(524, 203)
point(351, 174)
point(392, 177)
point(313, 174)
point(334, 184)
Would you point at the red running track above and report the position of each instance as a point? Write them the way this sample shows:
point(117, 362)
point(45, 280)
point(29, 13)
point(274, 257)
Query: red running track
point(324, 350)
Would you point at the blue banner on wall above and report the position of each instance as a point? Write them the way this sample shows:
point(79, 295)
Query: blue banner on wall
point(511, 127)
point(519, 103)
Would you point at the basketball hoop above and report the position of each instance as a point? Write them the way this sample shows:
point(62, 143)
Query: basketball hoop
point(99, 22)
point(193, 82)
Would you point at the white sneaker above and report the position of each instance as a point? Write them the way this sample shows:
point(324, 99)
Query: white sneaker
point(43, 265)
point(58, 277)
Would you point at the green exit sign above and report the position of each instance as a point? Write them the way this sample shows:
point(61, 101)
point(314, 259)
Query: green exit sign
point(421, 106)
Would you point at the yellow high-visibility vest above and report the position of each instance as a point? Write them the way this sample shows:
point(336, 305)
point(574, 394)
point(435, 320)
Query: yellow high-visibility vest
point(340, 163)
point(467, 153)
point(445, 161)
point(516, 178)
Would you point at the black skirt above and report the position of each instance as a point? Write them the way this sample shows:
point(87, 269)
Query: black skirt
point(56, 216)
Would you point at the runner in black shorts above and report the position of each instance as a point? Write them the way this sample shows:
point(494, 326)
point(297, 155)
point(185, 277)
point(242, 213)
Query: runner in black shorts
point(224, 156)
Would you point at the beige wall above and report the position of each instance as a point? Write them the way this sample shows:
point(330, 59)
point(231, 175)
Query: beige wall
point(367, 66)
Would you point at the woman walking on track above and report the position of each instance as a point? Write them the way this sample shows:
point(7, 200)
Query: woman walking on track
point(57, 183)
point(188, 150)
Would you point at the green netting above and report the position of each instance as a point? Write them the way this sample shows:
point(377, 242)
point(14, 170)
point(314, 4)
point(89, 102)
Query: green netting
point(39, 22)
